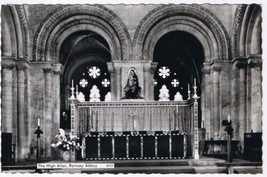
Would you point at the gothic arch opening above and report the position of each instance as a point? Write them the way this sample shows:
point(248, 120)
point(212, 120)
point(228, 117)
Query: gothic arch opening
point(183, 55)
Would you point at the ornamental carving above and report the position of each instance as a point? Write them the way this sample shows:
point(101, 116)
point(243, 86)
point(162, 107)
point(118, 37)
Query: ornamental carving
point(25, 30)
point(239, 14)
point(67, 11)
point(195, 11)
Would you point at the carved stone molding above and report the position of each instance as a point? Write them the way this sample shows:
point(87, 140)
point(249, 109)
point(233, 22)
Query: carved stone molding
point(22, 15)
point(68, 11)
point(195, 11)
point(239, 14)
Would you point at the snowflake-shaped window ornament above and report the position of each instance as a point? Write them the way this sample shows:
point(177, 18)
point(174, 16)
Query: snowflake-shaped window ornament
point(175, 83)
point(105, 83)
point(94, 72)
point(83, 83)
point(164, 72)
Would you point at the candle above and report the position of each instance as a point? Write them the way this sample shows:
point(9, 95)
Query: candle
point(188, 87)
point(195, 82)
point(229, 118)
point(76, 88)
point(38, 122)
point(72, 83)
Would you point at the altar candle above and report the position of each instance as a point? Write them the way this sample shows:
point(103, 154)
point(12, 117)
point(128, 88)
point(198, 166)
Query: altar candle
point(72, 83)
point(188, 87)
point(195, 82)
point(229, 118)
point(38, 122)
point(76, 88)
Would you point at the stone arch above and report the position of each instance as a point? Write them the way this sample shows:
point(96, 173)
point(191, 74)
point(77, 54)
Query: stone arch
point(103, 16)
point(246, 30)
point(15, 35)
point(25, 30)
point(205, 19)
point(239, 15)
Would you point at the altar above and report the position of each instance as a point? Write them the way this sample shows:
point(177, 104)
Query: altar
point(136, 129)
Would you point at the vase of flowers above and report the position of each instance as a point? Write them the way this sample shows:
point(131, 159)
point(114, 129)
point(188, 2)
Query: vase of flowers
point(67, 143)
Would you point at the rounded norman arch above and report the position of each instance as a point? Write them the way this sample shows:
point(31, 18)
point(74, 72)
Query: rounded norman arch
point(15, 35)
point(94, 14)
point(201, 19)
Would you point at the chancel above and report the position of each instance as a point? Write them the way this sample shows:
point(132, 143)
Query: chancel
point(131, 82)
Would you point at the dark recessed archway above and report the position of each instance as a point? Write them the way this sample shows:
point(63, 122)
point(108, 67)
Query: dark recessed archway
point(183, 54)
point(79, 52)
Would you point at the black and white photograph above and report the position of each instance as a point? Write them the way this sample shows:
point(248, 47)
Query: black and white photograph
point(144, 88)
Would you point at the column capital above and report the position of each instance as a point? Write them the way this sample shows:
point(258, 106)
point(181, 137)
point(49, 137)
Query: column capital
point(48, 70)
point(254, 61)
point(216, 68)
point(153, 67)
point(7, 62)
point(8, 65)
point(240, 62)
point(206, 68)
point(58, 68)
point(110, 67)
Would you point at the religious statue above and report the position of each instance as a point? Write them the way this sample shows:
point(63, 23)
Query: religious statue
point(81, 97)
point(164, 94)
point(108, 97)
point(132, 89)
point(178, 97)
point(94, 94)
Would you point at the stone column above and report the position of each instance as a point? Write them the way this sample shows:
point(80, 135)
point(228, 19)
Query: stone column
point(152, 72)
point(113, 85)
point(48, 112)
point(22, 143)
point(117, 73)
point(216, 101)
point(7, 96)
point(58, 69)
point(255, 64)
point(241, 64)
point(206, 97)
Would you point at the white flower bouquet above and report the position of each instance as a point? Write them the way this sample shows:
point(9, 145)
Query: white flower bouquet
point(66, 141)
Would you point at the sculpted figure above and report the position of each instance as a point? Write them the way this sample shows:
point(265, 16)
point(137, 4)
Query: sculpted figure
point(132, 89)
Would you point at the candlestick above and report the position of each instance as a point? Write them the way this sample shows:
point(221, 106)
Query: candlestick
point(189, 92)
point(38, 124)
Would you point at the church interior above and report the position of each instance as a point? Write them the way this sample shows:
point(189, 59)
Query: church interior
point(132, 82)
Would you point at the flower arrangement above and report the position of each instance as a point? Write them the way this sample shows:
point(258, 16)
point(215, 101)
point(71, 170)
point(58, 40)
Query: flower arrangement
point(66, 141)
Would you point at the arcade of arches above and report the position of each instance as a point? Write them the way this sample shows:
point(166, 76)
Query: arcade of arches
point(47, 47)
